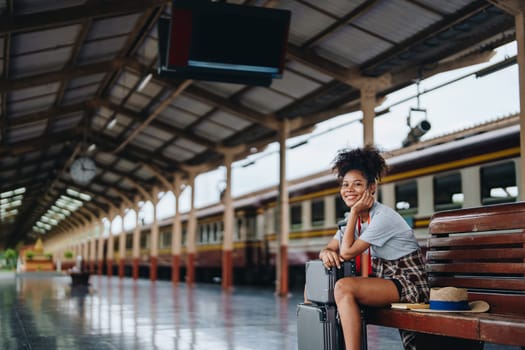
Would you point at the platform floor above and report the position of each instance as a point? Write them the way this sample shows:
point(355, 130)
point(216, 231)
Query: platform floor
point(44, 313)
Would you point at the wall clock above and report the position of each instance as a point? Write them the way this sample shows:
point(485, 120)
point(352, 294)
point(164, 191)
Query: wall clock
point(83, 170)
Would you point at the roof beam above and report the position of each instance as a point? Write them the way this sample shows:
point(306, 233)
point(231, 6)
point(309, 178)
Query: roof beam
point(74, 14)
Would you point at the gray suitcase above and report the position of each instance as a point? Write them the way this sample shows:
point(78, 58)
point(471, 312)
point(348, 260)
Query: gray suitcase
point(320, 281)
point(318, 328)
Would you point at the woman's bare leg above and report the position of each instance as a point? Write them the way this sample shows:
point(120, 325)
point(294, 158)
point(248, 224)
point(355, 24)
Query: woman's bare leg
point(350, 292)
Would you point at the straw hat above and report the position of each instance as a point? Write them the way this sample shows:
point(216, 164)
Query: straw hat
point(452, 299)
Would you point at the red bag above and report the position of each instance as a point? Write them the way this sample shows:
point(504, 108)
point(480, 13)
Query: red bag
point(366, 253)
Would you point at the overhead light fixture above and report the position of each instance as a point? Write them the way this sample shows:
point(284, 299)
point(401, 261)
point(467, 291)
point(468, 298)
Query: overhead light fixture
point(112, 123)
point(92, 147)
point(144, 82)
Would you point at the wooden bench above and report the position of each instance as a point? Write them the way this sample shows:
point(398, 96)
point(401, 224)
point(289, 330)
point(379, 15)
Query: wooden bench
point(483, 250)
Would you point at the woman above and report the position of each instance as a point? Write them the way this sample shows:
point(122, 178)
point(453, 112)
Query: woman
point(398, 270)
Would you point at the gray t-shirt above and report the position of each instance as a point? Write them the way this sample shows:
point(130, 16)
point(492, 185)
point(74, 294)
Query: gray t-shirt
point(387, 232)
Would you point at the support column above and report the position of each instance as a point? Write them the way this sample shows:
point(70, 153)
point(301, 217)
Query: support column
point(122, 247)
point(520, 38)
point(101, 248)
point(154, 236)
point(111, 244)
point(176, 231)
point(227, 246)
point(283, 205)
point(136, 243)
point(191, 234)
point(93, 242)
point(368, 104)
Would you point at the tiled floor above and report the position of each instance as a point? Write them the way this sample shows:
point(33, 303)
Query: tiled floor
point(43, 313)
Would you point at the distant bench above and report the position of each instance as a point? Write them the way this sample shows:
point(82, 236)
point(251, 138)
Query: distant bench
point(483, 250)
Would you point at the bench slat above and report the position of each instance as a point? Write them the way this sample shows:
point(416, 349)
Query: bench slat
point(515, 238)
point(498, 329)
point(481, 268)
point(487, 218)
point(508, 284)
point(502, 304)
point(477, 254)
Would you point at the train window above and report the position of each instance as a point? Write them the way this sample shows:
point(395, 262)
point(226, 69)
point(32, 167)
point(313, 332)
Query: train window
point(238, 229)
point(144, 242)
point(447, 192)
point(406, 197)
point(317, 211)
point(201, 233)
point(129, 242)
point(165, 239)
point(296, 216)
point(340, 209)
point(498, 183)
point(184, 234)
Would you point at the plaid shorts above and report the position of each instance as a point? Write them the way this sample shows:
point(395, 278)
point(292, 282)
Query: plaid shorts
point(409, 271)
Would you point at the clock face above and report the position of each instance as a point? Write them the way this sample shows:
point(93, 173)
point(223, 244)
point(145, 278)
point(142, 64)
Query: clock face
point(83, 170)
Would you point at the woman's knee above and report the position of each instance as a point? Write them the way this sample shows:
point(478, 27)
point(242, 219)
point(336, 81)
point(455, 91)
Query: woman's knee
point(345, 288)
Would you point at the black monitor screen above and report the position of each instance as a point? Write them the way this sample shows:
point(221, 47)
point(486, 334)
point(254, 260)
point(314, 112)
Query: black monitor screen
point(210, 37)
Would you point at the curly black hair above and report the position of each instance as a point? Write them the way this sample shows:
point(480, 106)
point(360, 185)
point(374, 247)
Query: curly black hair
point(368, 160)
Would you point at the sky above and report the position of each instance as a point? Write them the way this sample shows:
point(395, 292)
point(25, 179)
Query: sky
point(464, 103)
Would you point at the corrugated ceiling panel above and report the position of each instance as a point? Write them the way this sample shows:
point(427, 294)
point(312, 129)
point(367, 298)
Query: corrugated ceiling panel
point(222, 89)
point(117, 93)
point(294, 85)
point(128, 79)
point(111, 178)
point(151, 89)
point(264, 100)
point(309, 72)
point(159, 133)
point(446, 5)
point(189, 145)
point(177, 153)
point(191, 105)
point(114, 26)
point(148, 51)
point(49, 39)
point(42, 62)
point(67, 122)
point(101, 50)
point(212, 131)
point(31, 92)
point(27, 131)
point(86, 80)
point(34, 6)
point(177, 117)
point(106, 158)
point(147, 141)
point(229, 121)
point(396, 20)
point(30, 106)
point(338, 8)
point(80, 94)
point(306, 22)
point(350, 46)
point(137, 102)
point(124, 165)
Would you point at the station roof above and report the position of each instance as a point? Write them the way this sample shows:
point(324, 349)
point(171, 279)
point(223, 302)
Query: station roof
point(70, 73)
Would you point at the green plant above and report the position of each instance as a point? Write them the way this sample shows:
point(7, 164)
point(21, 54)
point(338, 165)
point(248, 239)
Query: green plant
point(30, 254)
point(10, 257)
point(49, 256)
point(68, 254)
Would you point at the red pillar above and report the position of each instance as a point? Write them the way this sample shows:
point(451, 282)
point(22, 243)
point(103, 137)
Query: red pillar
point(91, 266)
point(190, 268)
point(153, 268)
point(175, 269)
point(121, 268)
point(227, 269)
point(135, 268)
point(100, 267)
point(283, 283)
point(110, 267)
